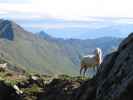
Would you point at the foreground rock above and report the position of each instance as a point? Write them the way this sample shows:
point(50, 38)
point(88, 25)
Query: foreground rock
point(61, 89)
point(87, 91)
point(115, 81)
point(7, 92)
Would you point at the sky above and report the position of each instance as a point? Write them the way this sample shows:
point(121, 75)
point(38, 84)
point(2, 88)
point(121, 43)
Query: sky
point(71, 18)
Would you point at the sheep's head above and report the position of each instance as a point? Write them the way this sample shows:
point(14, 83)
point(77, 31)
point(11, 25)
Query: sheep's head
point(98, 53)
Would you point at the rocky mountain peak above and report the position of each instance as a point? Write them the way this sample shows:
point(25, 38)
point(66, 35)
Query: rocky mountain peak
point(9, 28)
point(44, 35)
point(6, 30)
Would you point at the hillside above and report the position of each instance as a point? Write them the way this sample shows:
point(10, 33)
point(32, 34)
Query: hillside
point(77, 47)
point(46, 55)
point(32, 53)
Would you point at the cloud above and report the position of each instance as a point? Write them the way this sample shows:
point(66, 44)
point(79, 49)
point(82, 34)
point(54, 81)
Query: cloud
point(124, 21)
point(65, 25)
point(15, 1)
point(69, 9)
point(75, 9)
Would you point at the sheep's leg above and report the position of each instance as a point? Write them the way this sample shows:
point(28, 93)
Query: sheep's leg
point(81, 70)
point(85, 69)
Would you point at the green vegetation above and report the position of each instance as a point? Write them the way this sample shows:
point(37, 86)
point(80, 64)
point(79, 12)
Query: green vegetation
point(31, 90)
point(76, 78)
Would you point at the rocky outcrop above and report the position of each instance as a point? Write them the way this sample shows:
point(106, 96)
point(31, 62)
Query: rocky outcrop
point(60, 89)
point(6, 30)
point(87, 91)
point(115, 80)
point(7, 92)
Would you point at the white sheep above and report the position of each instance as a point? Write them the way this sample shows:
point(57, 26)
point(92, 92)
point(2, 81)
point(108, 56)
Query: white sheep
point(3, 67)
point(91, 61)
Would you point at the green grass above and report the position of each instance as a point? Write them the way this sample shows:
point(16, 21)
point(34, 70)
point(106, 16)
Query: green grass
point(33, 89)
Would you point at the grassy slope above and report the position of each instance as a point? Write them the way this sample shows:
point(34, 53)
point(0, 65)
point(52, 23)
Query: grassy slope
point(36, 54)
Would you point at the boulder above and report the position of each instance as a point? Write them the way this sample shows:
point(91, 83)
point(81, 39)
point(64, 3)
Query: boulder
point(60, 89)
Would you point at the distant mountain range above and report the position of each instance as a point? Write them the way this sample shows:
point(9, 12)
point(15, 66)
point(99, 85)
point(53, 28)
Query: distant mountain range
point(45, 54)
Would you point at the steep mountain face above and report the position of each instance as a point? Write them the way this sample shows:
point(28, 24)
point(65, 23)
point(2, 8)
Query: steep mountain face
point(115, 81)
point(45, 54)
point(6, 30)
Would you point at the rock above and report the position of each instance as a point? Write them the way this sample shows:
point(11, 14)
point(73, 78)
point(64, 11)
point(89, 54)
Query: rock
point(18, 91)
point(115, 79)
point(6, 28)
point(36, 79)
point(87, 91)
point(8, 92)
point(59, 89)
point(31, 80)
